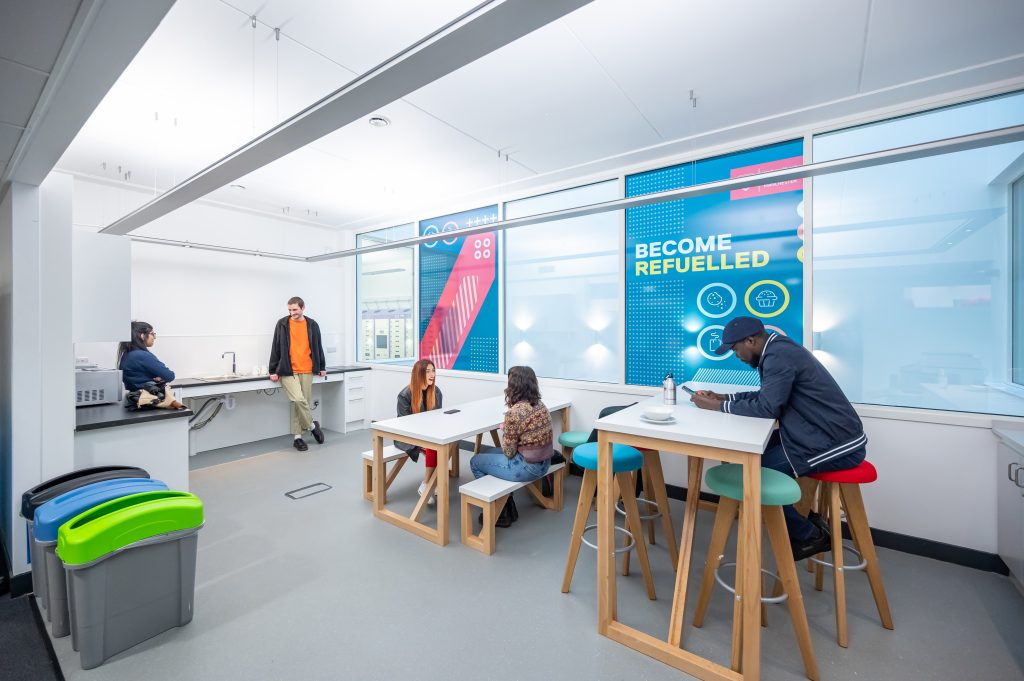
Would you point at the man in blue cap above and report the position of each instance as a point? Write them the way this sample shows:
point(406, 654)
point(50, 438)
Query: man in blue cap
point(818, 427)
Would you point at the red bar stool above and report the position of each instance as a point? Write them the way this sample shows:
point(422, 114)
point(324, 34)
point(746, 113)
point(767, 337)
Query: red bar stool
point(839, 493)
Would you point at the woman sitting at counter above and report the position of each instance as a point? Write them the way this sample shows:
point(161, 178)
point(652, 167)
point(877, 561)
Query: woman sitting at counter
point(526, 447)
point(137, 364)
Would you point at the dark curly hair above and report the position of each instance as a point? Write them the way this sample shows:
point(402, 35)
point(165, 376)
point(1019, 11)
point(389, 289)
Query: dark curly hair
point(522, 387)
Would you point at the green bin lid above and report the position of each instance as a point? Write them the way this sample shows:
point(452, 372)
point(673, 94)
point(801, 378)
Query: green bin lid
point(117, 523)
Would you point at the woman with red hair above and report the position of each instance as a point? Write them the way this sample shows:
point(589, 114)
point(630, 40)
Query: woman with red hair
point(420, 395)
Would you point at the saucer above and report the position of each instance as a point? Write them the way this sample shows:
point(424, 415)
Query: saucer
point(658, 422)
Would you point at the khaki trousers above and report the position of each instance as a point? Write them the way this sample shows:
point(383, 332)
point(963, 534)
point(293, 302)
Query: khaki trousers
point(300, 391)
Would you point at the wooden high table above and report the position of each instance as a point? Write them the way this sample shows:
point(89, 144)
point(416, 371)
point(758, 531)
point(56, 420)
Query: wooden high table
point(442, 432)
point(698, 434)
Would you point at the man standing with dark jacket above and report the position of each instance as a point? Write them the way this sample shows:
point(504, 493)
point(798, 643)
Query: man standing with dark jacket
point(818, 427)
point(296, 353)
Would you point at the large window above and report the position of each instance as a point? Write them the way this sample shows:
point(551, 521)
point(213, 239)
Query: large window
point(385, 295)
point(562, 287)
point(912, 277)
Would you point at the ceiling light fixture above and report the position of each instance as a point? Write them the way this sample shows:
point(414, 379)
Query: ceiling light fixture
point(380, 121)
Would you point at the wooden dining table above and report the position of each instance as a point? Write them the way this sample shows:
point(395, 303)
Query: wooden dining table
point(442, 430)
point(699, 435)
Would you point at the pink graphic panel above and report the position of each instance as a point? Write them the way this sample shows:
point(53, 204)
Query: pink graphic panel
point(770, 188)
point(460, 302)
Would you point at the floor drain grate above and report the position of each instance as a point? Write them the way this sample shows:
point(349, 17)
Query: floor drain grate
point(308, 491)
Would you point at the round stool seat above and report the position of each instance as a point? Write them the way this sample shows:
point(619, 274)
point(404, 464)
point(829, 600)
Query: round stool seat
point(573, 438)
point(860, 474)
point(777, 489)
point(624, 457)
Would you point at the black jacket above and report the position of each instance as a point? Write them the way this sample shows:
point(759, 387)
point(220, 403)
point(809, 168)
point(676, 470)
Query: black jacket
point(404, 408)
point(816, 421)
point(280, 349)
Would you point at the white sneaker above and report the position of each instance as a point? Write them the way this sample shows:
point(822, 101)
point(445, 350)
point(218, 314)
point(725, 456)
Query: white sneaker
point(433, 498)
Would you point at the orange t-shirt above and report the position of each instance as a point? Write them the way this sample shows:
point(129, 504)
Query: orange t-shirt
point(302, 359)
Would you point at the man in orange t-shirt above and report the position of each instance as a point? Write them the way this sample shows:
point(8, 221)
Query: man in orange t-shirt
point(296, 353)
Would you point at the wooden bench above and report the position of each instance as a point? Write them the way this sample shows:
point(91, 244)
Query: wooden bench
point(489, 494)
point(391, 453)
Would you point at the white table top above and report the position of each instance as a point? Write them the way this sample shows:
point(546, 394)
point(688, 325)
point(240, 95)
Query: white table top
point(693, 425)
point(474, 417)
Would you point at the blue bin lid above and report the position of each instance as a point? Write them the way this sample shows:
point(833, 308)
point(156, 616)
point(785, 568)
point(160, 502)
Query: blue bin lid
point(54, 513)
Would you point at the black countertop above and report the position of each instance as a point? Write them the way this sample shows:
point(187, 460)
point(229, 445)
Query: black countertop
point(192, 382)
point(112, 415)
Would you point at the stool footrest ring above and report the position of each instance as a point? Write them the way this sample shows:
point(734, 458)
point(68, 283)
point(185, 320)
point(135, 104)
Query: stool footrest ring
point(622, 549)
point(640, 500)
point(848, 568)
point(764, 599)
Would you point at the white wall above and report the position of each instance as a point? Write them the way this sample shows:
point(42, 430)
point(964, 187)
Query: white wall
point(936, 481)
point(205, 303)
point(36, 370)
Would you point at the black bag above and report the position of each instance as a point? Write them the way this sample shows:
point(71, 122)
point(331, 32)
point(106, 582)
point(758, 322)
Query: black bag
point(151, 395)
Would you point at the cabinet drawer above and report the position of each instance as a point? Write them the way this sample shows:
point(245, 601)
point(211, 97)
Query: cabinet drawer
point(354, 409)
point(355, 380)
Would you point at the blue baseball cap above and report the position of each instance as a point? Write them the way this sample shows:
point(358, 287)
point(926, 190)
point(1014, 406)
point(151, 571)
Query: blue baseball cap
point(737, 330)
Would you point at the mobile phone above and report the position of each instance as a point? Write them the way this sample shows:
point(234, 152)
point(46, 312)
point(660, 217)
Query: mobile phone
point(453, 411)
point(688, 389)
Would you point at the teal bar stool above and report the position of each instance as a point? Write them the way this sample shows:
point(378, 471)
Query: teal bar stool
point(570, 440)
point(777, 490)
point(625, 460)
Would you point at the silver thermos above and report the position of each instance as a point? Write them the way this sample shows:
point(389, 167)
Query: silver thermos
point(669, 386)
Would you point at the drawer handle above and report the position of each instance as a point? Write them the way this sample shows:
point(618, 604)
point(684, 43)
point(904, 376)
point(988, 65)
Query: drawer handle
point(1016, 477)
point(1010, 474)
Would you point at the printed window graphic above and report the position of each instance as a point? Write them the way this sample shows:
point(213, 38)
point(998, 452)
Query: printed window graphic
point(694, 264)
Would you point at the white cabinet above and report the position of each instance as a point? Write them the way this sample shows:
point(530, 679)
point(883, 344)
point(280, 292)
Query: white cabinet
point(101, 291)
point(1010, 502)
point(356, 398)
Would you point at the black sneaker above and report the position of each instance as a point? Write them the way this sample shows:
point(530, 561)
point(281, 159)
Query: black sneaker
point(819, 522)
point(805, 548)
point(300, 444)
point(318, 434)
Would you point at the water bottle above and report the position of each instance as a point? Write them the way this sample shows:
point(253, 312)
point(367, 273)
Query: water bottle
point(669, 385)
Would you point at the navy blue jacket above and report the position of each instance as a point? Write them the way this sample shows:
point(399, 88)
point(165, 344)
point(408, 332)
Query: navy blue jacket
point(816, 421)
point(141, 366)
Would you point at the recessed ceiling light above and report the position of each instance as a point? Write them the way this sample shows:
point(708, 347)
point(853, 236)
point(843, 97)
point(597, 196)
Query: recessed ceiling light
point(237, 186)
point(379, 121)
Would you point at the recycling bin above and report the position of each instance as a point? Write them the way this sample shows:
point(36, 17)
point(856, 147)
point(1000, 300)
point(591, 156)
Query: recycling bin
point(131, 568)
point(52, 488)
point(54, 513)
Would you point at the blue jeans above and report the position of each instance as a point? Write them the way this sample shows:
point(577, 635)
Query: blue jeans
point(492, 461)
point(774, 457)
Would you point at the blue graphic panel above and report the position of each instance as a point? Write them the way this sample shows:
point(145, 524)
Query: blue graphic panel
point(694, 264)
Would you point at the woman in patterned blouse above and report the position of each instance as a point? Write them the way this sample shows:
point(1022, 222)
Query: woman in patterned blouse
point(526, 450)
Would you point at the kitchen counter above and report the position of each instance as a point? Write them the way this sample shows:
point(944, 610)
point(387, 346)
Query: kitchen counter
point(195, 382)
point(113, 415)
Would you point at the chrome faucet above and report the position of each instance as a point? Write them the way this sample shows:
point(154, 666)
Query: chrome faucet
point(229, 352)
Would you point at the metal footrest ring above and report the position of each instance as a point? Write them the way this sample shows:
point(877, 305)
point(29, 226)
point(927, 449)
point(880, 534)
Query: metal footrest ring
point(764, 599)
point(623, 530)
point(640, 500)
point(849, 568)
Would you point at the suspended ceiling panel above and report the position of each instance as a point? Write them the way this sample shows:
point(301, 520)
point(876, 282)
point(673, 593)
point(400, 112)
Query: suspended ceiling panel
point(578, 96)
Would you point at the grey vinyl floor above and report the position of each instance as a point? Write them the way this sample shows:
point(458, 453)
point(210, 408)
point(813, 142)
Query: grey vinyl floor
point(317, 588)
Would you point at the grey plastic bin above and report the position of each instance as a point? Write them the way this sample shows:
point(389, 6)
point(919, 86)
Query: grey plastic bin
point(54, 513)
point(131, 570)
point(50, 489)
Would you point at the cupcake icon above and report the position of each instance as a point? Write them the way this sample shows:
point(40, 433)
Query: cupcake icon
point(766, 300)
